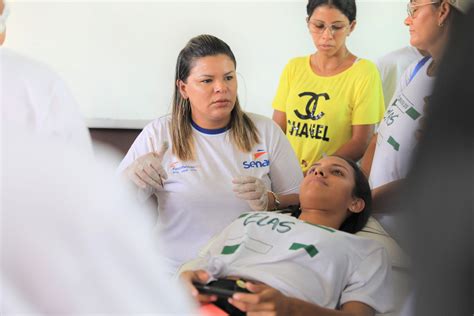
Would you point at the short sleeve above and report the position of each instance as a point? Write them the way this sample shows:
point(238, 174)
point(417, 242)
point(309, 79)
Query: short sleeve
point(369, 104)
point(404, 81)
point(279, 102)
point(371, 283)
point(139, 148)
point(285, 171)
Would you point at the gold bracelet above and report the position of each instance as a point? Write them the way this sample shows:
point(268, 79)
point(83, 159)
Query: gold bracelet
point(276, 201)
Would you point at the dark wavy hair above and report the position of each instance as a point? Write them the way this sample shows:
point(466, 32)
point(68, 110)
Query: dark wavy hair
point(347, 7)
point(356, 221)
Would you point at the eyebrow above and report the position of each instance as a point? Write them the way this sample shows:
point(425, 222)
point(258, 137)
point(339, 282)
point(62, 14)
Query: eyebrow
point(325, 22)
point(210, 76)
point(332, 165)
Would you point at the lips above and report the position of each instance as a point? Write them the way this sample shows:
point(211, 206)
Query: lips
point(221, 102)
point(326, 46)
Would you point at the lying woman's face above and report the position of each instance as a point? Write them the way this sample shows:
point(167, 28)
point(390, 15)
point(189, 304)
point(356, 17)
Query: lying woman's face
point(328, 186)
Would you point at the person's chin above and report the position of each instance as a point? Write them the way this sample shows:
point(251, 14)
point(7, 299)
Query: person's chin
point(414, 41)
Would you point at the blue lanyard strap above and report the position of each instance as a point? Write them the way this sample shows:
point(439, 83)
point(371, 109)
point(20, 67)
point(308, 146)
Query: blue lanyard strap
point(418, 67)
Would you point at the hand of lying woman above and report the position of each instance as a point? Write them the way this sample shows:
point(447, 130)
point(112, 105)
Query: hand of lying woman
point(252, 190)
point(147, 170)
point(197, 276)
point(264, 300)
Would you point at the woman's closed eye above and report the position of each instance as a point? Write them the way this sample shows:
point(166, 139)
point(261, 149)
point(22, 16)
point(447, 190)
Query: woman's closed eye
point(334, 27)
point(337, 172)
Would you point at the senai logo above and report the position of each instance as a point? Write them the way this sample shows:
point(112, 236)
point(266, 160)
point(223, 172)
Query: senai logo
point(256, 162)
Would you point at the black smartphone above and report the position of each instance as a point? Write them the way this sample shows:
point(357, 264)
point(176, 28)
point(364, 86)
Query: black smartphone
point(223, 288)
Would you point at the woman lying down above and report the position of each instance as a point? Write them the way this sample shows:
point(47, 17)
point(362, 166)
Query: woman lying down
point(310, 265)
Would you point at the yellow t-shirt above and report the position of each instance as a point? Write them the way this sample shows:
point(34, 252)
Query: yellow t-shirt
point(320, 111)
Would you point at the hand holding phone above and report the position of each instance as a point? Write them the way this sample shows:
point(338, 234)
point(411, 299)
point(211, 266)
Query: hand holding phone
point(222, 288)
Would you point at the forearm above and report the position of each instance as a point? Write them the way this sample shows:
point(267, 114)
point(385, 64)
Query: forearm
point(298, 307)
point(382, 196)
point(366, 161)
point(354, 149)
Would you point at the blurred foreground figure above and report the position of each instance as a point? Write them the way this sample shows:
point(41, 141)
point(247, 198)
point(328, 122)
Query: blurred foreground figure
point(72, 239)
point(439, 192)
point(34, 99)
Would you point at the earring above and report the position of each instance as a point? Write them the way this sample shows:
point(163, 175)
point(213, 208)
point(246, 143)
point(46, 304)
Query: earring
point(441, 24)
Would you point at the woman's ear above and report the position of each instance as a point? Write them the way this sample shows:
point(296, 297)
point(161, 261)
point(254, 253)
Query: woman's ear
point(443, 14)
point(352, 27)
point(357, 205)
point(182, 88)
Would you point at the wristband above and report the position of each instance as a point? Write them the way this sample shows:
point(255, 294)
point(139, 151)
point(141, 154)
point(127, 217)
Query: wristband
point(276, 201)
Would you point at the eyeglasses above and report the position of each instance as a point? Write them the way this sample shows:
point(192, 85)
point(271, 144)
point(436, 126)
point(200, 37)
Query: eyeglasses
point(412, 8)
point(320, 28)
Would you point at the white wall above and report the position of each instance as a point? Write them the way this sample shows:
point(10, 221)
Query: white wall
point(118, 57)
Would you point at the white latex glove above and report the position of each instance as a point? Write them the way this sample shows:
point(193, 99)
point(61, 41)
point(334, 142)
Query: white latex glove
point(253, 190)
point(147, 170)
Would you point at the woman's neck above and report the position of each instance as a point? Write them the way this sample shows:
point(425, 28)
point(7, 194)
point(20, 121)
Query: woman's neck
point(326, 65)
point(436, 52)
point(210, 125)
point(321, 217)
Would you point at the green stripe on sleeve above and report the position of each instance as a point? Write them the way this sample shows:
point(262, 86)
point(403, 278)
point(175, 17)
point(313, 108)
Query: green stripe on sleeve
point(228, 250)
point(394, 143)
point(310, 249)
point(414, 114)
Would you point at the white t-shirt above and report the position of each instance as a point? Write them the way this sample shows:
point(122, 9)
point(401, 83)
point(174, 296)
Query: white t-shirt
point(396, 139)
point(391, 67)
point(36, 100)
point(314, 263)
point(197, 200)
point(74, 240)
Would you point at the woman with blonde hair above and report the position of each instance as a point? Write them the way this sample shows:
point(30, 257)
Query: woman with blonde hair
point(222, 161)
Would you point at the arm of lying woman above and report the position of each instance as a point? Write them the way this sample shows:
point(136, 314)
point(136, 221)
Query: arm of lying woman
point(269, 301)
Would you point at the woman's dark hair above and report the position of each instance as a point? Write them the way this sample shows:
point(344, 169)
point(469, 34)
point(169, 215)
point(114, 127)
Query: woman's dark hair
point(356, 221)
point(347, 7)
point(243, 132)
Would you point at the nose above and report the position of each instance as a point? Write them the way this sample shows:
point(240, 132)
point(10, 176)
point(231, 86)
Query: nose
point(327, 32)
point(220, 86)
point(407, 20)
point(319, 171)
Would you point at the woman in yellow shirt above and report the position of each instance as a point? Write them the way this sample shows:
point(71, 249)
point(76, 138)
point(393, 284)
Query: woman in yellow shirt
point(328, 102)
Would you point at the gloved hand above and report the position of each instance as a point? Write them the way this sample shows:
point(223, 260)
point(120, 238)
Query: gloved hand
point(147, 170)
point(253, 190)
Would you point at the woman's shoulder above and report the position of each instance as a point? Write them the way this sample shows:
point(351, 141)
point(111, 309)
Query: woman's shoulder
point(260, 121)
point(360, 246)
point(362, 64)
point(159, 123)
point(299, 61)
point(266, 127)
